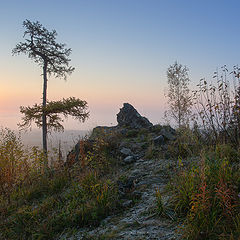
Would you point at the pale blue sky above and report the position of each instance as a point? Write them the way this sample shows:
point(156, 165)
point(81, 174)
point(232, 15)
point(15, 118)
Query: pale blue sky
point(121, 51)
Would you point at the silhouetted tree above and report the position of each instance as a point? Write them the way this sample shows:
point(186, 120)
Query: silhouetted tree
point(179, 98)
point(41, 46)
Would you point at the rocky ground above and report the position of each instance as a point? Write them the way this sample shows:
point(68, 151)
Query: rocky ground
point(139, 219)
point(143, 169)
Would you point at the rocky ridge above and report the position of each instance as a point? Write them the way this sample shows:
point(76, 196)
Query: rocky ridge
point(144, 167)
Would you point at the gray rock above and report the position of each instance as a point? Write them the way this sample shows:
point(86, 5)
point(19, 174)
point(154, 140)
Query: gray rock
point(126, 152)
point(101, 131)
point(138, 156)
point(159, 140)
point(129, 117)
point(127, 185)
point(129, 159)
point(127, 203)
point(137, 194)
point(168, 133)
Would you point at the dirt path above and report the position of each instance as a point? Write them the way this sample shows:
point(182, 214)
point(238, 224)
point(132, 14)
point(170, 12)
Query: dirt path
point(140, 220)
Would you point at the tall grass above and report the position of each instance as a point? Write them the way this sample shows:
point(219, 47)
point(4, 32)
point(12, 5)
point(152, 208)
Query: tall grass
point(17, 164)
point(207, 195)
point(38, 204)
point(218, 107)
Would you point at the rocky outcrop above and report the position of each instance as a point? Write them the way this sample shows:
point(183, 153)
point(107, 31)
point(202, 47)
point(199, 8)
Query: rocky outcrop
point(142, 167)
point(129, 117)
point(130, 125)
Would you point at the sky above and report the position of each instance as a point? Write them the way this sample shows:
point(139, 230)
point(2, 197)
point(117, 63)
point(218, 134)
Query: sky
point(121, 50)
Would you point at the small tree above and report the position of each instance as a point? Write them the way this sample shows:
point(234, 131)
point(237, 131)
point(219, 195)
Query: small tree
point(179, 98)
point(41, 46)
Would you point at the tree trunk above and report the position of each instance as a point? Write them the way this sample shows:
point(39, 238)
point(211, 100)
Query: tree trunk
point(44, 117)
point(179, 104)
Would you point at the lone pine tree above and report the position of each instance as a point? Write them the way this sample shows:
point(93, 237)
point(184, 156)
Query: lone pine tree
point(40, 45)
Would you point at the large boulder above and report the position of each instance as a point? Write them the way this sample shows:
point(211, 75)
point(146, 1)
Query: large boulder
point(129, 117)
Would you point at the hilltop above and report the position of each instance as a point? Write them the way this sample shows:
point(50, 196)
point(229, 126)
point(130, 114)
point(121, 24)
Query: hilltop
point(135, 180)
point(139, 176)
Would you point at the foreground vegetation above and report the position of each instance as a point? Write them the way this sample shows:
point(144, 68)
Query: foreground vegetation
point(45, 203)
point(39, 204)
point(205, 192)
point(206, 195)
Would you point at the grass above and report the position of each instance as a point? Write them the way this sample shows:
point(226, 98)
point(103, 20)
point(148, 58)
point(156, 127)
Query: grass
point(37, 204)
point(160, 205)
point(46, 215)
point(40, 204)
point(204, 188)
point(205, 195)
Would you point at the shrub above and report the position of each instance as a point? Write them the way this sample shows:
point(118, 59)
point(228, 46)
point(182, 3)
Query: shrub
point(227, 152)
point(217, 106)
point(207, 195)
point(17, 164)
point(183, 187)
point(187, 144)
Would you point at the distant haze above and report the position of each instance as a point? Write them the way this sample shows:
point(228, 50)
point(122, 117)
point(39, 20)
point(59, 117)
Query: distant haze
point(121, 51)
point(66, 139)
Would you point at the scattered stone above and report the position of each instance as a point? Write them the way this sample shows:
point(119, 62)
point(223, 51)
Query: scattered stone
point(129, 117)
point(126, 152)
point(126, 186)
point(168, 133)
point(138, 155)
point(129, 159)
point(136, 173)
point(127, 203)
point(159, 140)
